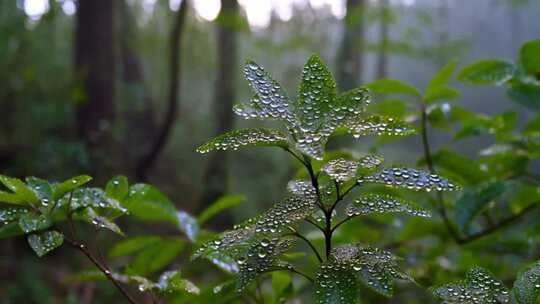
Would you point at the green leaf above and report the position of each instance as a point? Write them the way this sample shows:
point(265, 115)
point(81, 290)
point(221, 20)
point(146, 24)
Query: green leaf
point(528, 57)
point(42, 188)
point(479, 287)
point(316, 94)
point(298, 205)
point(525, 94)
point(12, 214)
point(91, 197)
point(375, 203)
point(20, 189)
point(117, 188)
point(262, 257)
point(245, 138)
point(132, 245)
point(148, 203)
point(90, 215)
point(442, 77)
point(379, 125)
point(11, 198)
point(220, 205)
point(69, 185)
point(172, 281)
point(188, 224)
point(438, 88)
point(270, 100)
point(526, 287)
point(487, 72)
point(410, 179)
point(392, 86)
point(373, 267)
point(45, 242)
point(441, 93)
point(157, 256)
point(335, 284)
point(340, 169)
point(31, 222)
point(474, 200)
point(10, 230)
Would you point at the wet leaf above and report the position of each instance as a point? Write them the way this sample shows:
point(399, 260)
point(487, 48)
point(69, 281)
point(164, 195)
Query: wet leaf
point(91, 216)
point(245, 138)
point(270, 100)
point(479, 287)
point(42, 188)
point(379, 125)
point(90, 197)
point(117, 188)
point(66, 186)
point(299, 204)
point(31, 222)
point(370, 162)
point(148, 203)
point(172, 281)
point(392, 86)
point(410, 179)
point(45, 242)
point(375, 203)
point(487, 72)
point(10, 230)
point(10, 215)
point(527, 285)
point(19, 188)
point(340, 169)
point(260, 258)
point(188, 224)
point(335, 284)
point(375, 268)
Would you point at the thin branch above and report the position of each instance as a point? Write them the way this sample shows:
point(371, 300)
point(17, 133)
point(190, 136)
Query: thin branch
point(82, 248)
point(499, 225)
point(295, 155)
point(297, 234)
point(429, 161)
point(292, 269)
point(441, 208)
point(314, 224)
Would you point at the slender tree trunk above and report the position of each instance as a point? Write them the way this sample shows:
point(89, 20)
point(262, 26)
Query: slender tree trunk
point(350, 61)
point(382, 59)
point(216, 175)
point(139, 115)
point(173, 95)
point(95, 64)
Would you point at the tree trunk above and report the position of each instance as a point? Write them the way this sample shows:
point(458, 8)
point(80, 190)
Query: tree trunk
point(216, 175)
point(173, 95)
point(382, 59)
point(95, 65)
point(350, 62)
point(139, 115)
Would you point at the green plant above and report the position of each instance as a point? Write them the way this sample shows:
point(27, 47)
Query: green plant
point(258, 245)
point(47, 214)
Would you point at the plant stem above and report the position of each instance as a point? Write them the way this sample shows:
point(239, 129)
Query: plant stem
point(429, 161)
point(442, 209)
point(82, 248)
point(302, 274)
point(300, 236)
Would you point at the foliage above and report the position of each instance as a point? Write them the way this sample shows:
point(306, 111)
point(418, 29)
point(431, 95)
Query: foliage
point(255, 247)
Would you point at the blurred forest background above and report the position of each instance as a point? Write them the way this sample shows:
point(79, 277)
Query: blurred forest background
point(134, 86)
